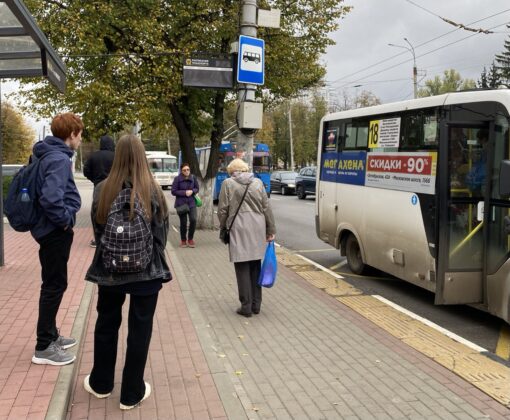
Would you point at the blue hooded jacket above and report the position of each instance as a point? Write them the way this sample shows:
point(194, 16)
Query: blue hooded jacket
point(58, 195)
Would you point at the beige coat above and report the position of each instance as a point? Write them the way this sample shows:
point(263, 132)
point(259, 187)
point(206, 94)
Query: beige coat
point(253, 222)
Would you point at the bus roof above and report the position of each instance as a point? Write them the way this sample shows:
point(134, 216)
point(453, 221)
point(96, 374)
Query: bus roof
point(158, 154)
point(497, 95)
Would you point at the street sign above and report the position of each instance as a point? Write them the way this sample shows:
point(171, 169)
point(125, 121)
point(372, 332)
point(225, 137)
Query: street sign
point(250, 61)
point(208, 72)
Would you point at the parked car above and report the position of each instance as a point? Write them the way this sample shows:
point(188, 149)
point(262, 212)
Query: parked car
point(305, 182)
point(283, 182)
point(10, 170)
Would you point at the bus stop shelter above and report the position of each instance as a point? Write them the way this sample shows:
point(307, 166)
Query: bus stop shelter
point(24, 52)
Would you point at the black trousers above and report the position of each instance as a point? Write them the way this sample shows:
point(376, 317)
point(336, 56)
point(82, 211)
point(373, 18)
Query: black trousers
point(192, 223)
point(54, 250)
point(106, 336)
point(250, 293)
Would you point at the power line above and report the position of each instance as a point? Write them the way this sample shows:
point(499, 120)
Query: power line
point(422, 55)
point(418, 46)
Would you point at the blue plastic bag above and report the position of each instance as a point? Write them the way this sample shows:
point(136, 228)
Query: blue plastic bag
point(267, 275)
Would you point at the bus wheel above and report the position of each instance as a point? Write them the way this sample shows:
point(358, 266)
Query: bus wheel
point(300, 192)
point(353, 254)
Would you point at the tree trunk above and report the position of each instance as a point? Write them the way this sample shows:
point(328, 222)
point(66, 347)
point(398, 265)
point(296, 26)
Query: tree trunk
point(206, 217)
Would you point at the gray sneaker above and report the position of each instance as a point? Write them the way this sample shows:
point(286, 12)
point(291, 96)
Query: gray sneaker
point(65, 342)
point(53, 355)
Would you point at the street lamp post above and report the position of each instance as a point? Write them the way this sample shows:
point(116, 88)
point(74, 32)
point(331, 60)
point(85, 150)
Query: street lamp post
point(415, 69)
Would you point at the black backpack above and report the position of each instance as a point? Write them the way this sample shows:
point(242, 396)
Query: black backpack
point(23, 214)
point(127, 244)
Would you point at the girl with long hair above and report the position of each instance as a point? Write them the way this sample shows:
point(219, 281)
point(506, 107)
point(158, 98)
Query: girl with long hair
point(129, 170)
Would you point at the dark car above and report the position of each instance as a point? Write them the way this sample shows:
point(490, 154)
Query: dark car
point(305, 182)
point(283, 182)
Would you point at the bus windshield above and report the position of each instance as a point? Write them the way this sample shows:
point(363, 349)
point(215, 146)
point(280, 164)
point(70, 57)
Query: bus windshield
point(162, 164)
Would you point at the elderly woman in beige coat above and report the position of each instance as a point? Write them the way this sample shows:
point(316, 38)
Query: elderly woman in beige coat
point(253, 227)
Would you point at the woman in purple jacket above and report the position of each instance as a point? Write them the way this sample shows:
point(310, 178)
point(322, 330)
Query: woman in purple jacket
point(184, 187)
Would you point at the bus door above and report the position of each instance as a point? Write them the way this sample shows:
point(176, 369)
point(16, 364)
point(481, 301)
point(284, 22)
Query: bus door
point(464, 211)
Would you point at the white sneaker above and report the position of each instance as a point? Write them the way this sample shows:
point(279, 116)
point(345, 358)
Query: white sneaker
point(88, 388)
point(145, 396)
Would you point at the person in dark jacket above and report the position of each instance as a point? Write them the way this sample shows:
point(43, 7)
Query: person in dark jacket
point(130, 169)
point(59, 201)
point(98, 165)
point(184, 187)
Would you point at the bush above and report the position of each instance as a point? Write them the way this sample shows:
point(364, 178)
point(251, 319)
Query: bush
point(5, 187)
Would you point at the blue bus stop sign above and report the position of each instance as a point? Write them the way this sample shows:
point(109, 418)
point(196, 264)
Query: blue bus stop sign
point(250, 61)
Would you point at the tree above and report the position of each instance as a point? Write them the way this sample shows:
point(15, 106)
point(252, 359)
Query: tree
point(17, 136)
point(503, 61)
point(491, 79)
point(306, 117)
point(450, 82)
point(124, 60)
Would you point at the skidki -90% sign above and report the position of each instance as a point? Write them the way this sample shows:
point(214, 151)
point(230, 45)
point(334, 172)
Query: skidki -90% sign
point(415, 172)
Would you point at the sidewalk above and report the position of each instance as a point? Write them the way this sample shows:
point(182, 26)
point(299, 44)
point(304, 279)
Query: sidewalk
point(305, 356)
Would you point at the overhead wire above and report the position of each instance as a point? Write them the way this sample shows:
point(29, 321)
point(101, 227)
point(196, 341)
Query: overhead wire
point(418, 46)
point(418, 56)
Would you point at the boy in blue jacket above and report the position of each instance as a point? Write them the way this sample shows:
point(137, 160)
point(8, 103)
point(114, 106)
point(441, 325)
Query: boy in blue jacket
point(60, 201)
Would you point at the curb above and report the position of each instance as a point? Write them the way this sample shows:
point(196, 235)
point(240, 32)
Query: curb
point(220, 371)
point(59, 403)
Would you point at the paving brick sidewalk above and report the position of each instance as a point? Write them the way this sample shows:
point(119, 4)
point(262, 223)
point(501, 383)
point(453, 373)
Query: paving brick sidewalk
point(25, 388)
point(305, 356)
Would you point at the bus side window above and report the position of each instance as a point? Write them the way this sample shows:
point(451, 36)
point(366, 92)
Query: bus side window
point(362, 135)
point(350, 136)
point(412, 127)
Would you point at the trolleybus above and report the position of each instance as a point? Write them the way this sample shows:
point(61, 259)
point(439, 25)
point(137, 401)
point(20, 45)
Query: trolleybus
point(420, 189)
point(228, 152)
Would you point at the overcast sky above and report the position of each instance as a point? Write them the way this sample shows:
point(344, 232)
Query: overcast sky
point(364, 34)
point(355, 62)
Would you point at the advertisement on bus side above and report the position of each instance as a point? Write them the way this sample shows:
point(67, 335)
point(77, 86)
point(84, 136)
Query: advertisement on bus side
point(346, 167)
point(413, 171)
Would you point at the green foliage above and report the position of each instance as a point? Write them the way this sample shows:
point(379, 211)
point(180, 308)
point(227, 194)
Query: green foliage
point(6, 181)
point(124, 58)
point(306, 117)
point(503, 61)
point(17, 136)
point(450, 82)
point(492, 79)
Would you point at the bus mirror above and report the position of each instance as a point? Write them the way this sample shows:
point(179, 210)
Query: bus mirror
point(504, 178)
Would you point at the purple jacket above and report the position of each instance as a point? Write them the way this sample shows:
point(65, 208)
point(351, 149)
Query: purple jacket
point(179, 188)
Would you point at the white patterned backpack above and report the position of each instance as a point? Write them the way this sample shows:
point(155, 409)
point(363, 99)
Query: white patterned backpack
point(127, 244)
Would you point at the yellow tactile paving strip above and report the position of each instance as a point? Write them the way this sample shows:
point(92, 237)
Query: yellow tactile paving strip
point(489, 376)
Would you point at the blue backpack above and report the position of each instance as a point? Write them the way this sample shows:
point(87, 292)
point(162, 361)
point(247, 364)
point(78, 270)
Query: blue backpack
point(22, 207)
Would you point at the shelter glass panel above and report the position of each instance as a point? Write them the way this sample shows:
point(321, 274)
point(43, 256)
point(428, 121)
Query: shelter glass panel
point(7, 18)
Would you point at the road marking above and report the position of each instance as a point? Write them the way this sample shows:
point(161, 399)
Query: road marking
point(431, 324)
point(340, 264)
point(327, 270)
point(315, 250)
point(503, 346)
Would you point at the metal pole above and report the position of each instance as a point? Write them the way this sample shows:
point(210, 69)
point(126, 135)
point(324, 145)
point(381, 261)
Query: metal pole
point(415, 70)
point(246, 91)
point(290, 137)
point(2, 262)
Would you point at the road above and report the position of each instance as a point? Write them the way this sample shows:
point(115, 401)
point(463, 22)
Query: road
point(296, 231)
